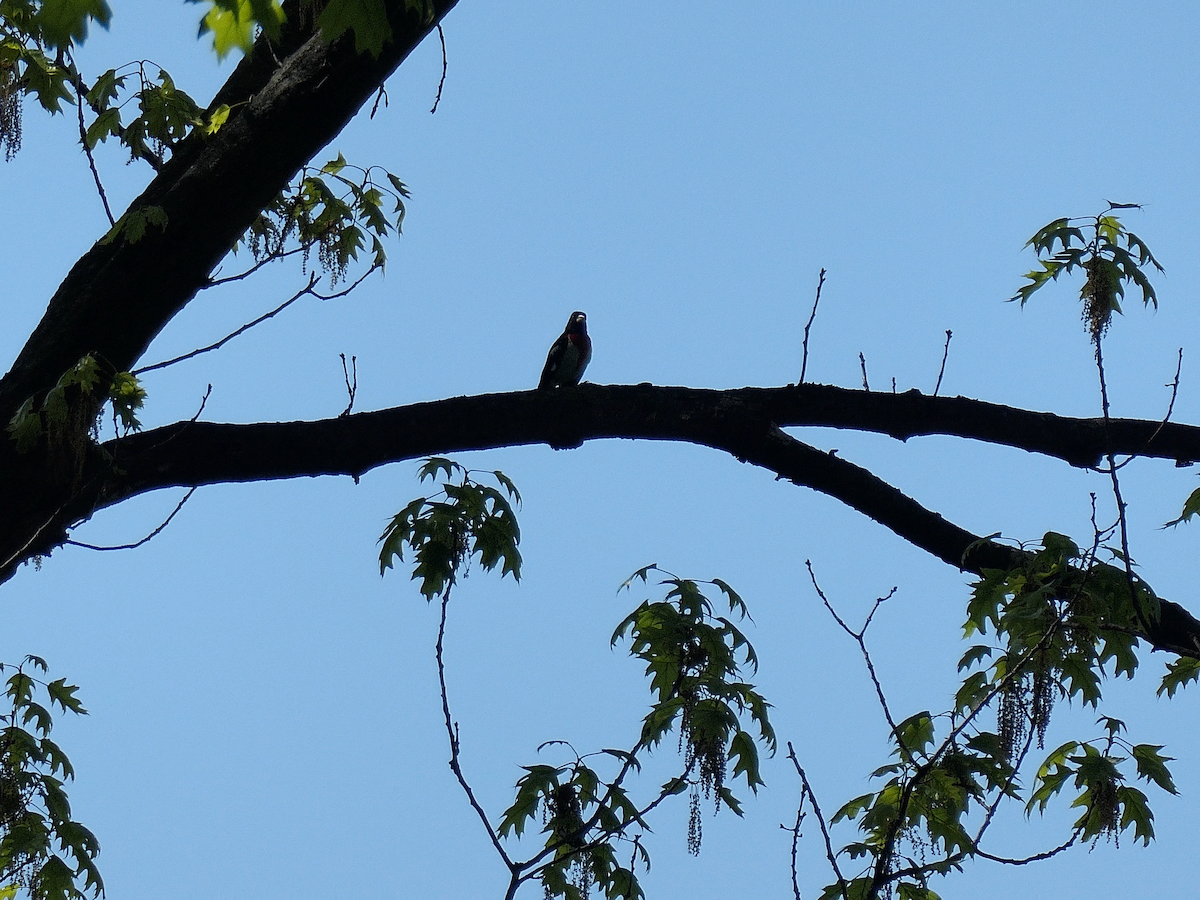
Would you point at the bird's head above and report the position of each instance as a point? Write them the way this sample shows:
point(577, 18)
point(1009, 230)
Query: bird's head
point(577, 324)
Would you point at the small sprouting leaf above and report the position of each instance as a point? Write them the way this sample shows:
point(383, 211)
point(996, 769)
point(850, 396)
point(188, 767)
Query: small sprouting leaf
point(219, 117)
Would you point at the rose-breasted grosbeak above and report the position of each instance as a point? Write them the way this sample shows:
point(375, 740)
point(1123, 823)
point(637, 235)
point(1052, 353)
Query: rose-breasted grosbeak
point(569, 355)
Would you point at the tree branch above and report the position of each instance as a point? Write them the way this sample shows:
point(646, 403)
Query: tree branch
point(744, 423)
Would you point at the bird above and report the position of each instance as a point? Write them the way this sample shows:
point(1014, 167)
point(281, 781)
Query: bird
point(568, 356)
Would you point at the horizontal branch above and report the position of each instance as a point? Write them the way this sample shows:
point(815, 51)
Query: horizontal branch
point(354, 444)
point(745, 423)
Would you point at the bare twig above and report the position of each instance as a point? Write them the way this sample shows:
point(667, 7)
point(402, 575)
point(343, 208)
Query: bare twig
point(79, 92)
point(452, 734)
point(795, 833)
point(812, 797)
point(860, 639)
point(811, 317)
point(1143, 620)
point(942, 371)
point(312, 281)
point(1037, 857)
point(266, 260)
point(137, 544)
point(862, 361)
point(351, 382)
point(438, 99)
point(380, 95)
point(1174, 386)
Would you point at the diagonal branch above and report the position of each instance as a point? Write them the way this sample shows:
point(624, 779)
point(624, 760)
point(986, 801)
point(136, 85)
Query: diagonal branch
point(287, 101)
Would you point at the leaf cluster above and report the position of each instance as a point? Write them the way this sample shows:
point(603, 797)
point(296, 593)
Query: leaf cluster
point(695, 660)
point(1111, 256)
point(336, 213)
point(467, 518)
point(1109, 805)
point(1051, 619)
point(54, 414)
point(926, 797)
point(36, 36)
point(584, 820)
point(1059, 620)
point(42, 849)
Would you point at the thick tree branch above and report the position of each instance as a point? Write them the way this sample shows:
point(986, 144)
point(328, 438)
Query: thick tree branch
point(355, 444)
point(287, 100)
point(745, 423)
point(119, 295)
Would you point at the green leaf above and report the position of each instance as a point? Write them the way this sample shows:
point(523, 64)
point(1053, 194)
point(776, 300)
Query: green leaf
point(1136, 811)
point(853, 809)
point(745, 756)
point(63, 22)
point(974, 655)
point(107, 124)
point(219, 117)
point(1179, 672)
point(1152, 766)
point(1191, 506)
point(133, 224)
point(366, 18)
point(25, 427)
point(232, 23)
point(334, 166)
point(64, 695)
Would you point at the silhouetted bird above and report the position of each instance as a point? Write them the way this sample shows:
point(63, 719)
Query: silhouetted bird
point(569, 355)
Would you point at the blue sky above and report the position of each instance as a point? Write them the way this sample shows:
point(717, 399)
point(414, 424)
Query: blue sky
point(264, 711)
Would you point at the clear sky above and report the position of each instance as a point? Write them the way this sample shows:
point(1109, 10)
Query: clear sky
point(264, 712)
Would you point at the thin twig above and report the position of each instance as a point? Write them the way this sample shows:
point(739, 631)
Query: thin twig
point(1142, 618)
point(1037, 857)
point(380, 95)
point(351, 383)
point(811, 317)
point(438, 99)
point(942, 371)
point(860, 638)
point(1174, 386)
point(795, 832)
point(807, 788)
point(266, 260)
point(152, 534)
point(312, 281)
point(862, 361)
point(452, 734)
point(79, 92)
